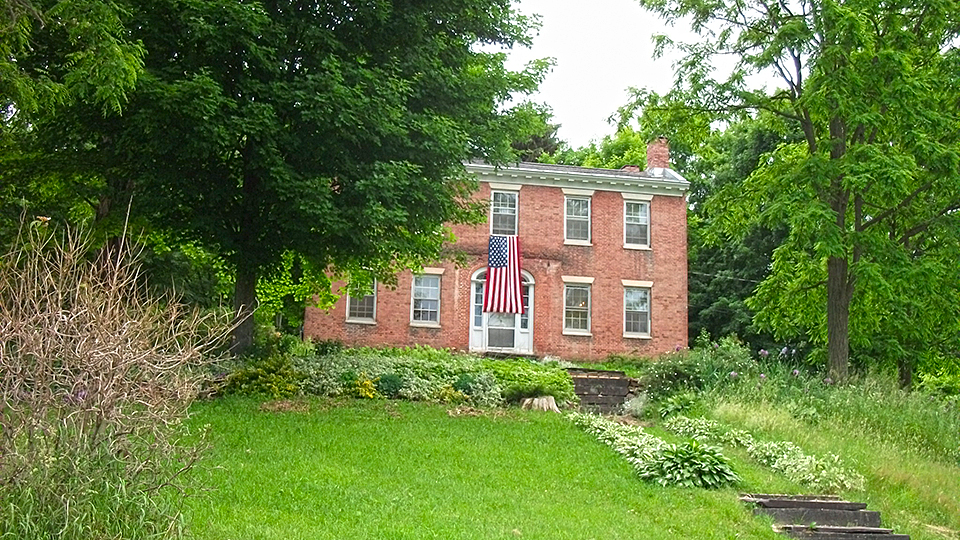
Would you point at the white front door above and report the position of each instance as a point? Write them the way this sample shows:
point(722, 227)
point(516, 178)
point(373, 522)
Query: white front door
point(500, 332)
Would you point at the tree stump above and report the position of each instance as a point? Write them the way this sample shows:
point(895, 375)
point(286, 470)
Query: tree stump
point(542, 403)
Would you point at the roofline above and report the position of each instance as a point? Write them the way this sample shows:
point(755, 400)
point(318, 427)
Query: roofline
point(655, 181)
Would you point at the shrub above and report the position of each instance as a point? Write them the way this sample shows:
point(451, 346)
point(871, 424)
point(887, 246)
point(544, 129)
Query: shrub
point(274, 377)
point(522, 379)
point(637, 406)
point(389, 385)
point(677, 404)
point(95, 376)
point(689, 465)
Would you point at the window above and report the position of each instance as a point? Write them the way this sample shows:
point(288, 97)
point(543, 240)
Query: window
point(636, 224)
point(503, 209)
point(577, 219)
point(636, 312)
point(426, 300)
point(363, 309)
point(576, 309)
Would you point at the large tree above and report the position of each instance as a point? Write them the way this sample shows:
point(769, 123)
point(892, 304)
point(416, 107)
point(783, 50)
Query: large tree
point(336, 131)
point(871, 195)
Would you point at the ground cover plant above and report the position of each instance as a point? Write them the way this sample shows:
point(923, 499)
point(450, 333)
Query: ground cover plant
point(689, 464)
point(372, 469)
point(413, 373)
point(95, 378)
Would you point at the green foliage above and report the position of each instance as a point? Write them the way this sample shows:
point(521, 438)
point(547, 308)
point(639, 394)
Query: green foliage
point(689, 465)
point(415, 373)
point(677, 404)
point(872, 405)
point(637, 406)
point(389, 385)
point(285, 150)
point(868, 195)
point(707, 365)
point(274, 377)
point(785, 457)
point(521, 379)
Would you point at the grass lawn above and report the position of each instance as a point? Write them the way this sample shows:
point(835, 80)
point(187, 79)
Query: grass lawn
point(395, 470)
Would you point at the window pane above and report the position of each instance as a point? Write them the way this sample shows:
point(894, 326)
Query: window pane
point(361, 308)
point(577, 218)
point(478, 304)
point(578, 207)
point(637, 223)
point(576, 313)
point(503, 217)
point(426, 298)
point(636, 305)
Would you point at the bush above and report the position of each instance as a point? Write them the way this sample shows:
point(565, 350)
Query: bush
point(521, 379)
point(95, 376)
point(637, 406)
point(274, 377)
point(424, 374)
point(689, 465)
point(708, 365)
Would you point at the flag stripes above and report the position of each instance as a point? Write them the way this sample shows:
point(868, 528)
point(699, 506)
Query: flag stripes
point(504, 292)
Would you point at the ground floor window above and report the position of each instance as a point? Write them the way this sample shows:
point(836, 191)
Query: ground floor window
point(426, 299)
point(636, 311)
point(576, 308)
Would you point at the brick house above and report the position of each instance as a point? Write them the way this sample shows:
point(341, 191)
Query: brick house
point(604, 266)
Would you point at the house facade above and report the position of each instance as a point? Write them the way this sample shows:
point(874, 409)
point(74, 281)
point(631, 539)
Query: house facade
point(603, 264)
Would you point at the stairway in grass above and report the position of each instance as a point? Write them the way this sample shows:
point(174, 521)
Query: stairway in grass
point(821, 517)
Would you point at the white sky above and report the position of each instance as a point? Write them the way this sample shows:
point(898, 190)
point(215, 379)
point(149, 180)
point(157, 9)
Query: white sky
point(601, 48)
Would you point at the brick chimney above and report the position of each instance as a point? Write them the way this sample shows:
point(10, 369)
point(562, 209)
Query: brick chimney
point(658, 154)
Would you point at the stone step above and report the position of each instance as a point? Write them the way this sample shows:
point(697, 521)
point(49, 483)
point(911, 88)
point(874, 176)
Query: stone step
point(839, 533)
point(777, 501)
point(820, 516)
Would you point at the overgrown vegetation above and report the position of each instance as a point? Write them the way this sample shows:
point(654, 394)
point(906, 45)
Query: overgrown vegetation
point(414, 373)
point(689, 464)
point(95, 378)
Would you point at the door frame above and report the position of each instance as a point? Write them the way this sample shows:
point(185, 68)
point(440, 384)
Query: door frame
point(523, 337)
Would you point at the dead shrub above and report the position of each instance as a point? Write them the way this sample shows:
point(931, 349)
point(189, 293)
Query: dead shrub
point(95, 379)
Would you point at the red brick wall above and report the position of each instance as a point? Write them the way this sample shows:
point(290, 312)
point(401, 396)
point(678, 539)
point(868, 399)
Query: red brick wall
point(546, 258)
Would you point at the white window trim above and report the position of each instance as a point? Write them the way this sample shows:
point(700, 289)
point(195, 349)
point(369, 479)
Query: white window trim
point(363, 320)
point(413, 287)
point(642, 247)
point(637, 196)
point(636, 284)
point(589, 287)
point(494, 186)
point(583, 280)
point(578, 192)
point(638, 335)
point(566, 217)
point(516, 216)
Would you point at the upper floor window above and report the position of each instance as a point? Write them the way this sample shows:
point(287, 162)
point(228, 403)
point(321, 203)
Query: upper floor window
point(425, 305)
point(636, 224)
point(577, 219)
point(364, 308)
point(503, 212)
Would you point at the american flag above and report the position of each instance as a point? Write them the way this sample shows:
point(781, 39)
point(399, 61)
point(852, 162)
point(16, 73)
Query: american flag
point(504, 293)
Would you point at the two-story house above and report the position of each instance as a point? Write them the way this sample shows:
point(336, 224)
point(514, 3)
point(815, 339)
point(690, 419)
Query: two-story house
point(603, 264)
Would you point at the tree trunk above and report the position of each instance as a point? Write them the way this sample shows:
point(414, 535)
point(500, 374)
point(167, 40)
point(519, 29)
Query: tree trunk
point(905, 369)
point(244, 303)
point(839, 294)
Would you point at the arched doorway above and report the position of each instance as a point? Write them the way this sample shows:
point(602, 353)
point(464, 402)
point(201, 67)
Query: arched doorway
point(500, 332)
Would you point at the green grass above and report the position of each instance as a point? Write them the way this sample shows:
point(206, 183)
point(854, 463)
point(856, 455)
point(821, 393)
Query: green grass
point(397, 470)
